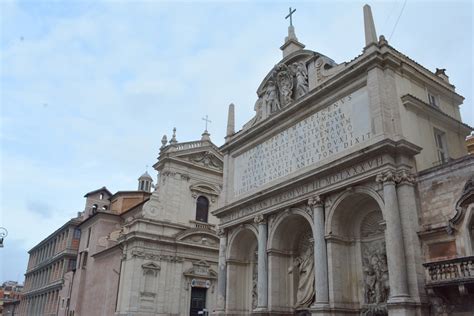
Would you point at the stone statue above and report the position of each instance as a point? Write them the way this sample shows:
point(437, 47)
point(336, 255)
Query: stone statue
point(272, 103)
point(285, 84)
point(304, 264)
point(376, 275)
point(301, 75)
point(260, 109)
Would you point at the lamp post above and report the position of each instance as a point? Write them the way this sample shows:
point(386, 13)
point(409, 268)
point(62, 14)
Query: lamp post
point(3, 234)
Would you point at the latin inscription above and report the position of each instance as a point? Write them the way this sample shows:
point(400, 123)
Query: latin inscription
point(337, 127)
point(303, 189)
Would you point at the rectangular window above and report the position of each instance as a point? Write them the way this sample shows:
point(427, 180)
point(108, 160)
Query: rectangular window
point(432, 99)
point(77, 233)
point(88, 236)
point(441, 148)
point(72, 264)
point(84, 259)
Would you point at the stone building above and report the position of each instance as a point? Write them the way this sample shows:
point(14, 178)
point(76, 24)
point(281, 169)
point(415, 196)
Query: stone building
point(49, 261)
point(151, 253)
point(331, 192)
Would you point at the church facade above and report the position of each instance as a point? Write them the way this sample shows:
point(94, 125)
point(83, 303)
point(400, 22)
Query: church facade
point(328, 191)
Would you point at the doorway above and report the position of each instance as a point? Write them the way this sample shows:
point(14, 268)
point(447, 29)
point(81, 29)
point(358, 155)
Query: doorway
point(198, 300)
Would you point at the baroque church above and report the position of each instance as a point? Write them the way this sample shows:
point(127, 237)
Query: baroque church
point(350, 192)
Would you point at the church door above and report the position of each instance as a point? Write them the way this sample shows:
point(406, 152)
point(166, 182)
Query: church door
point(198, 300)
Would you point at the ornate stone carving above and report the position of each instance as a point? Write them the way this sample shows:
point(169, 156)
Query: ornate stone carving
point(316, 200)
point(284, 81)
point(301, 77)
point(376, 280)
point(372, 225)
point(404, 176)
point(259, 219)
point(221, 232)
point(386, 177)
point(271, 100)
point(207, 159)
point(255, 281)
point(467, 197)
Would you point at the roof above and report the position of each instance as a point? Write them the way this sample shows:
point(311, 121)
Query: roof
point(103, 189)
point(145, 175)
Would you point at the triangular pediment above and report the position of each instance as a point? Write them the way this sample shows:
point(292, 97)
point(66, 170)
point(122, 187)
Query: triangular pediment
point(205, 158)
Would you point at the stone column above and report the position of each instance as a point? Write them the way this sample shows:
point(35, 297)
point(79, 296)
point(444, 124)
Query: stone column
point(262, 278)
point(222, 271)
point(320, 253)
point(394, 240)
point(409, 218)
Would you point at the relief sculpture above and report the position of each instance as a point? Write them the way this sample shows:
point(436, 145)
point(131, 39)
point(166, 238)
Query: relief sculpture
point(376, 282)
point(301, 78)
point(285, 84)
point(272, 104)
point(303, 266)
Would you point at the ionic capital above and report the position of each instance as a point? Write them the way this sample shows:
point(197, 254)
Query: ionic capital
point(316, 201)
point(387, 177)
point(221, 232)
point(259, 219)
point(405, 177)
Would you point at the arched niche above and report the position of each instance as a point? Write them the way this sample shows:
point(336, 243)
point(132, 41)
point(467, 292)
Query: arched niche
point(291, 262)
point(242, 270)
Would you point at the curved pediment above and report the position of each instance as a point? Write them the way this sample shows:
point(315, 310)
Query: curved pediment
point(290, 80)
point(198, 236)
point(205, 188)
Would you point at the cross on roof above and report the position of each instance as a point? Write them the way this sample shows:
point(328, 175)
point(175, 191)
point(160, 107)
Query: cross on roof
point(290, 15)
point(207, 121)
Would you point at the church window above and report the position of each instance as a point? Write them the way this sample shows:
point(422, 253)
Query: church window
point(94, 208)
point(104, 208)
point(441, 148)
point(202, 209)
point(101, 196)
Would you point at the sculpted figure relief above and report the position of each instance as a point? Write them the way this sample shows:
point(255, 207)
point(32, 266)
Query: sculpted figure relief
point(285, 83)
point(376, 275)
point(301, 76)
point(272, 103)
point(304, 267)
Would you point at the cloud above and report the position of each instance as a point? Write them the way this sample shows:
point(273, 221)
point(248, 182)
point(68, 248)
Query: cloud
point(89, 88)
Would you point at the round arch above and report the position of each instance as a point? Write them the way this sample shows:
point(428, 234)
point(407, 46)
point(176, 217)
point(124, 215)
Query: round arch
point(290, 212)
point(360, 190)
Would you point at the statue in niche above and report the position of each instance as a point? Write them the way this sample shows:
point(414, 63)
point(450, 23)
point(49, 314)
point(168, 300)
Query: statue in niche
point(272, 104)
point(301, 77)
point(304, 265)
point(376, 285)
point(284, 80)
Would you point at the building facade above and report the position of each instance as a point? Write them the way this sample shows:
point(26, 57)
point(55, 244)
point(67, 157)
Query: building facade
point(49, 261)
point(325, 189)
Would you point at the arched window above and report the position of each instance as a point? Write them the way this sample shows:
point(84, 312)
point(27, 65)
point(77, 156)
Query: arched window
point(202, 209)
point(94, 208)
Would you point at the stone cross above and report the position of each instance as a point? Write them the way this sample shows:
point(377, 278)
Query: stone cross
point(207, 120)
point(290, 15)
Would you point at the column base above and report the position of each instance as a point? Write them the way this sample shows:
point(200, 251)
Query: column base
point(401, 305)
point(260, 311)
point(320, 309)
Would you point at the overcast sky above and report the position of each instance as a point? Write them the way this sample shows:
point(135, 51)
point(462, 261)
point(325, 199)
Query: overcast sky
point(89, 88)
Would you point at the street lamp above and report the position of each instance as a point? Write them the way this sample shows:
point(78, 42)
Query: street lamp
point(3, 234)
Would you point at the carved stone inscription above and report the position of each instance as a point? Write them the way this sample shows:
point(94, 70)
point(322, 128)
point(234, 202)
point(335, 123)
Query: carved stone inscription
point(337, 127)
point(305, 188)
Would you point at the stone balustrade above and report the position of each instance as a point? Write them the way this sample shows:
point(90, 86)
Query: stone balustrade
point(452, 271)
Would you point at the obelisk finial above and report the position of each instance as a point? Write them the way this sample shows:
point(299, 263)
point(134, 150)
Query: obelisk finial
point(369, 27)
point(231, 120)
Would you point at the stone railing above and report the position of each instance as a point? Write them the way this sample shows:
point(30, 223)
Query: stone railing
point(204, 225)
point(452, 271)
point(188, 145)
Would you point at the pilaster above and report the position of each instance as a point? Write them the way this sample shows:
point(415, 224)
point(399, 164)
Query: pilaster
point(262, 278)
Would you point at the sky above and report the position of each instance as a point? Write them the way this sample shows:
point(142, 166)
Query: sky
point(88, 88)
